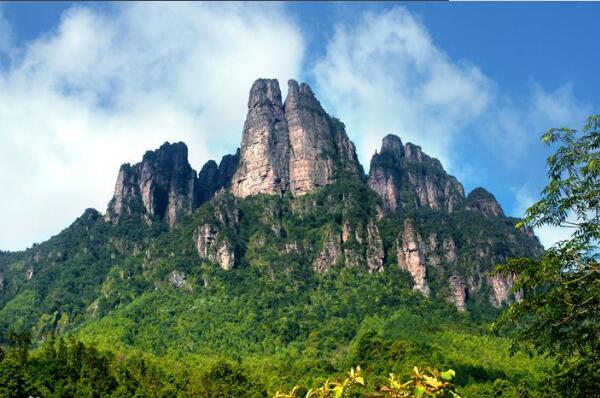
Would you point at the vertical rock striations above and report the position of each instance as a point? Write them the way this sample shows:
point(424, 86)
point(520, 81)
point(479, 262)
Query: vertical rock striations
point(296, 147)
point(215, 240)
point(163, 182)
point(405, 177)
point(385, 176)
point(319, 144)
point(265, 149)
point(411, 256)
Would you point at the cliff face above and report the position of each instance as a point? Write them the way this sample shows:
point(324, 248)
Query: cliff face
point(484, 202)
point(405, 178)
point(212, 178)
point(214, 240)
point(411, 257)
point(319, 144)
point(264, 152)
point(163, 182)
point(296, 147)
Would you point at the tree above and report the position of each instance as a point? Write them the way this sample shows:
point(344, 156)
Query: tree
point(560, 313)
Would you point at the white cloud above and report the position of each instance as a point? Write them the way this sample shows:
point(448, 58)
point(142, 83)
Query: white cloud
point(383, 74)
point(106, 86)
point(515, 128)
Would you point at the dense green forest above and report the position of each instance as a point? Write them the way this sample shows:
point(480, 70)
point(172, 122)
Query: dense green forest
point(265, 326)
point(128, 309)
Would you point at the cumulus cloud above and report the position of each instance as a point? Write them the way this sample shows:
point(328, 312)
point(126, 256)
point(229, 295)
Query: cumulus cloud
point(383, 74)
point(108, 85)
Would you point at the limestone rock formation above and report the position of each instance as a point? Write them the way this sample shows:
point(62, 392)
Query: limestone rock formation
point(484, 202)
point(212, 178)
point(458, 292)
point(265, 148)
point(405, 177)
point(178, 279)
point(385, 176)
point(411, 256)
point(163, 181)
point(501, 288)
point(329, 254)
point(319, 144)
point(295, 147)
point(375, 253)
point(214, 240)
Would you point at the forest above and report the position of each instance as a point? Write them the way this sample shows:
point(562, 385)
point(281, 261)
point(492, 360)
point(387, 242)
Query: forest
point(130, 311)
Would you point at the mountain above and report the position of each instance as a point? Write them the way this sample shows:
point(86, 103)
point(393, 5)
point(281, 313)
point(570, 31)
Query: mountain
point(282, 242)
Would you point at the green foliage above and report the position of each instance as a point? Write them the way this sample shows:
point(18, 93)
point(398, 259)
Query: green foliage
point(422, 383)
point(266, 325)
point(560, 314)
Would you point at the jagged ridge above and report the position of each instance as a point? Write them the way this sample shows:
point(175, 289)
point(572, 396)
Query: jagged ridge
point(407, 214)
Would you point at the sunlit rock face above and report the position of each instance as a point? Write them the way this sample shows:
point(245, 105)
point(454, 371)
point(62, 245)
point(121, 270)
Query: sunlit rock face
point(458, 292)
point(163, 181)
point(296, 147)
point(265, 148)
point(319, 144)
point(411, 256)
point(405, 177)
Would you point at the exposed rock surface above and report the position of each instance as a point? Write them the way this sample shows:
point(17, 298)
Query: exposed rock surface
point(484, 202)
point(449, 248)
point(405, 177)
point(458, 292)
point(178, 280)
point(295, 147)
point(375, 253)
point(212, 178)
point(163, 181)
point(500, 290)
point(411, 256)
point(385, 176)
point(213, 240)
point(319, 144)
point(265, 148)
point(329, 254)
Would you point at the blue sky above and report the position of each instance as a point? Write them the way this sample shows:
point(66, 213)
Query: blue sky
point(85, 87)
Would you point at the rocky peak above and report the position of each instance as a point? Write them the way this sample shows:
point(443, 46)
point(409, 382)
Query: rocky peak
point(163, 181)
point(212, 178)
point(301, 96)
point(413, 153)
point(405, 177)
point(295, 147)
point(484, 202)
point(264, 152)
point(391, 145)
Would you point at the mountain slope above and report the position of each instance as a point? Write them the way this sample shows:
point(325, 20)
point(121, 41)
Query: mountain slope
point(286, 245)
